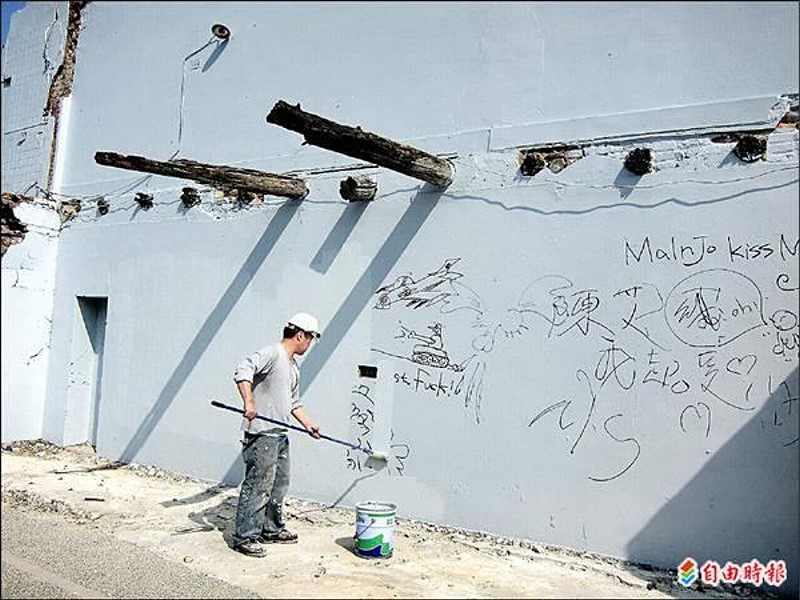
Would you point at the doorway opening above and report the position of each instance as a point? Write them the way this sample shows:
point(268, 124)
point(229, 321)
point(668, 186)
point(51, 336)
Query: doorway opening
point(87, 373)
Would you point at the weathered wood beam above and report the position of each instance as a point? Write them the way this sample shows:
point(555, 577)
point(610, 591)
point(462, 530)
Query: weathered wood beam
point(215, 175)
point(364, 145)
point(358, 189)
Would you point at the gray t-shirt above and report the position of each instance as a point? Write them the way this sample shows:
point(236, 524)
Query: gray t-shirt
point(276, 390)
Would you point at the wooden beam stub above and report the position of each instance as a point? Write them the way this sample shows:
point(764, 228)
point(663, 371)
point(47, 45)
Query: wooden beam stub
point(214, 175)
point(354, 142)
point(358, 189)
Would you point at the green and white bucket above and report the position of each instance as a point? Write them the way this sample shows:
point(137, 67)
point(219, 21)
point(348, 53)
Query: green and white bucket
point(375, 522)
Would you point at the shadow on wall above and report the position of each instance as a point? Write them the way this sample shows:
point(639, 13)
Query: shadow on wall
point(743, 504)
point(418, 211)
point(210, 328)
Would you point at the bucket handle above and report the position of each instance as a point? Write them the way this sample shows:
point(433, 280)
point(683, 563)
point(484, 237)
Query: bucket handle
point(371, 523)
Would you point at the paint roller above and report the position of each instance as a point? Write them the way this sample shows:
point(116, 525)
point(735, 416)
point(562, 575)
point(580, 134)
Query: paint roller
point(379, 457)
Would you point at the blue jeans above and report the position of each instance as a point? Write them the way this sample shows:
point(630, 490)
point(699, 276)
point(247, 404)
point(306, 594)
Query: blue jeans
point(266, 480)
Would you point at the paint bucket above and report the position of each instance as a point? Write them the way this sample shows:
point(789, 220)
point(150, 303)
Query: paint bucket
point(375, 522)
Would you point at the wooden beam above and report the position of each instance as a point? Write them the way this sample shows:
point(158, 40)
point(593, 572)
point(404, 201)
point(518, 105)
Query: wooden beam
point(215, 175)
point(364, 145)
point(358, 189)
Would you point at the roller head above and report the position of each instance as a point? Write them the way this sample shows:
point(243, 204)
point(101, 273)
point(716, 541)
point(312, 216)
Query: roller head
point(376, 461)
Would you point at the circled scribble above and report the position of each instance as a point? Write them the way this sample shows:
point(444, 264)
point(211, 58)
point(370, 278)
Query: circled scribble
point(712, 308)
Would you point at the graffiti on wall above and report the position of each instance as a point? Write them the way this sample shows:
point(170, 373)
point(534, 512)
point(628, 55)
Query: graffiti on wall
point(708, 342)
point(362, 419)
point(429, 290)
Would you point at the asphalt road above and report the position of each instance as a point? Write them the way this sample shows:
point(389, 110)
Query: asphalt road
point(46, 556)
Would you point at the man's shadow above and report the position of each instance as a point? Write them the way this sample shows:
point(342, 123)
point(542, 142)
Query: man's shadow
point(220, 517)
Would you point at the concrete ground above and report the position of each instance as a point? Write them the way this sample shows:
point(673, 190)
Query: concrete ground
point(46, 556)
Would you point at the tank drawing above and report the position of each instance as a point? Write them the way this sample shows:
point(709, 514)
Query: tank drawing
point(430, 351)
point(434, 357)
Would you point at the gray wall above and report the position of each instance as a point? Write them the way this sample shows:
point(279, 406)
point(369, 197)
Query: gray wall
point(618, 367)
point(31, 57)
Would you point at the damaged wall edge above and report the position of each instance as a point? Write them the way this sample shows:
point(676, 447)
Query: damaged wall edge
point(61, 85)
point(12, 230)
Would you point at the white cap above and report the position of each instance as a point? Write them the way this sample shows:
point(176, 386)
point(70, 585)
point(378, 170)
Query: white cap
point(305, 322)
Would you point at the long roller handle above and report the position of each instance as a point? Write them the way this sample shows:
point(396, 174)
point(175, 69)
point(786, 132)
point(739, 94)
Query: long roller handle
point(290, 426)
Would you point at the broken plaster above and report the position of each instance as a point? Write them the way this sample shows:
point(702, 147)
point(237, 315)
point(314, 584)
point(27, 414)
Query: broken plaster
point(12, 230)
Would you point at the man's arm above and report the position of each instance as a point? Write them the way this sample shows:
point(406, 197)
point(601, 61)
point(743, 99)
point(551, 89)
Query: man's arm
point(301, 415)
point(246, 392)
point(246, 370)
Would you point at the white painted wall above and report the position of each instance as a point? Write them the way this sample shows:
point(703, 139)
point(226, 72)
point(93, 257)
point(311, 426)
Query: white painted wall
point(410, 71)
point(688, 447)
point(31, 56)
point(28, 280)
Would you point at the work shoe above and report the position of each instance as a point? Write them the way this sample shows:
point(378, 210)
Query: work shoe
point(284, 536)
point(251, 548)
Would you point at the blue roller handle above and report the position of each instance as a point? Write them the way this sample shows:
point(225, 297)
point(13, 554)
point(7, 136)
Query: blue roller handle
point(290, 426)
